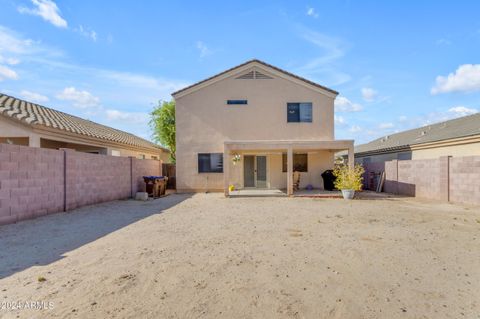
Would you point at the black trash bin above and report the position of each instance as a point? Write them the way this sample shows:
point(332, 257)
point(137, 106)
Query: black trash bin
point(328, 180)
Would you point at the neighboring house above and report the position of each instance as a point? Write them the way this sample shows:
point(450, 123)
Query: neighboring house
point(458, 137)
point(29, 124)
point(252, 126)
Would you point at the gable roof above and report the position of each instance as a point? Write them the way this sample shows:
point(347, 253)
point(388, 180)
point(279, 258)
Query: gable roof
point(36, 115)
point(456, 128)
point(254, 61)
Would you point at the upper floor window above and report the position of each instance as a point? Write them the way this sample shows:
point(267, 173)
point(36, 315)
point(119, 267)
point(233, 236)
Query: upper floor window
point(299, 112)
point(210, 162)
point(237, 102)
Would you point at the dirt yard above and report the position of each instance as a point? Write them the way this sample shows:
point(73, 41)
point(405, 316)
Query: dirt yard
point(206, 256)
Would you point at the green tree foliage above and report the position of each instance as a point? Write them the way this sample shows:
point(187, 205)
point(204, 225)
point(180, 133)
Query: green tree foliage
point(162, 122)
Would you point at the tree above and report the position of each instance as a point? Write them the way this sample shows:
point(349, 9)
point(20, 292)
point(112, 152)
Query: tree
point(162, 122)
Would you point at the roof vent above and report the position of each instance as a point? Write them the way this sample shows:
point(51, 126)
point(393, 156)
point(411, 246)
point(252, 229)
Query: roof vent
point(247, 76)
point(423, 133)
point(254, 75)
point(261, 76)
point(385, 138)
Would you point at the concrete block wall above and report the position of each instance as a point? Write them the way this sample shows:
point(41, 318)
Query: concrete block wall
point(142, 168)
point(31, 182)
point(454, 179)
point(464, 175)
point(38, 181)
point(419, 178)
point(391, 177)
point(94, 178)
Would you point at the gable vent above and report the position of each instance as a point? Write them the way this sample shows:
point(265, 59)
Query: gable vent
point(254, 75)
point(261, 76)
point(247, 76)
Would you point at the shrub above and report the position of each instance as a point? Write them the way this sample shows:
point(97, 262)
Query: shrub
point(348, 178)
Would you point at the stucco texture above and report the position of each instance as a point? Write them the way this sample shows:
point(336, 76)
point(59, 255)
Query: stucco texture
point(205, 121)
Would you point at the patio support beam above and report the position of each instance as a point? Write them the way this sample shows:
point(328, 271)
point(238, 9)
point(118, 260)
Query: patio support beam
point(226, 170)
point(351, 157)
point(289, 171)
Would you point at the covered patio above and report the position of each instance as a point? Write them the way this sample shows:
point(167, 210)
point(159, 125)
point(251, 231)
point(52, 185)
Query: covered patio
point(241, 149)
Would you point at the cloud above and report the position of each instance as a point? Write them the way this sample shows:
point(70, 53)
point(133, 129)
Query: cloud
point(9, 61)
point(311, 12)
point(14, 48)
point(86, 32)
point(141, 81)
point(384, 126)
point(369, 94)
point(443, 42)
point(465, 79)
point(13, 44)
point(204, 50)
point(130, 117)
point(46, 9)
point(49, 68)
point(10, 48)
point(34, 97)
point(342, 104)
point(80, 99)
point(462, 111)
point(339, 120)
point(7, 73)
point(330, 50)
point(355, 129)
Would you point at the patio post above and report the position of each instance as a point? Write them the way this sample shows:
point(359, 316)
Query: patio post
point(289, 171)
point(351, 157)
point(226, 170)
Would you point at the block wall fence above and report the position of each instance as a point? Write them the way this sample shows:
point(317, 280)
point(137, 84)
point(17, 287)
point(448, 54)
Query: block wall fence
point(38, 181)
point(448, 179)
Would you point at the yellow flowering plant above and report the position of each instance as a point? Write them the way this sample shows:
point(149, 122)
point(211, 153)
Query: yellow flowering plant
point(347, 178)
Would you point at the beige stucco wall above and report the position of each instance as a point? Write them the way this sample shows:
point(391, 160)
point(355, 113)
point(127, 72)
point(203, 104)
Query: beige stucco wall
point(10, 128)
point(382, 157)
point(204, 121)
point(467, 149)
point(318, 162)
point(472, 149)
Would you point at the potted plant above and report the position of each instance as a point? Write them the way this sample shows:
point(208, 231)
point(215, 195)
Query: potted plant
point(348, 180)
point(236, 158)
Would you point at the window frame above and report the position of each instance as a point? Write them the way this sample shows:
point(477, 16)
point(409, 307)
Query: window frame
point(295, 165)
point(298, 106)
point(237, 102)
point(200, 167)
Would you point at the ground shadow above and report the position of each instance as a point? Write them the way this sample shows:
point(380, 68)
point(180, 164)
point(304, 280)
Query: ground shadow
point(372, 195)
point(44, 240)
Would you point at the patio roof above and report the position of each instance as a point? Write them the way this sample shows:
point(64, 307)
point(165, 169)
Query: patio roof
point(286, 144)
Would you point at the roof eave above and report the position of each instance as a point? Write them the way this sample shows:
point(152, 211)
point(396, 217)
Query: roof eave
point(244, 66)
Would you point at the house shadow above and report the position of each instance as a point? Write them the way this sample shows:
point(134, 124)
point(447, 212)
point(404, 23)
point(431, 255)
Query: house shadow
point(46, 239)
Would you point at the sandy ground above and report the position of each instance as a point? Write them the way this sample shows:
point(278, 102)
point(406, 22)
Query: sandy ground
point(205, 256)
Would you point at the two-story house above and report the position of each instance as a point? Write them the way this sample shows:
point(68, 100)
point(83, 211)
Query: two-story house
point(252, 126)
